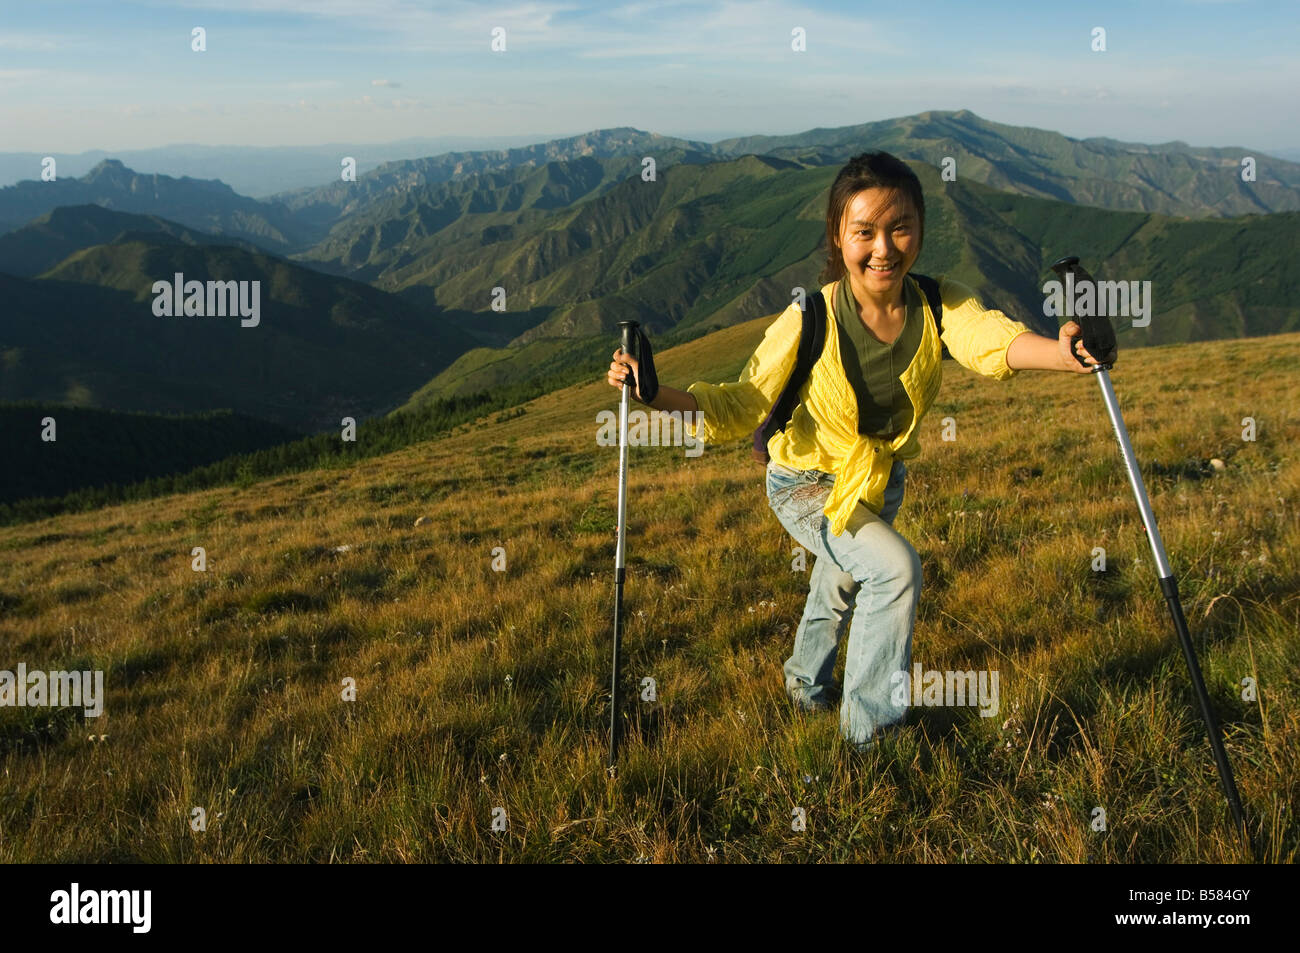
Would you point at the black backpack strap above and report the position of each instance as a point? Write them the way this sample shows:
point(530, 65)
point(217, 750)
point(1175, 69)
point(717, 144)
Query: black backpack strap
point(930, 288)
point(812, 336)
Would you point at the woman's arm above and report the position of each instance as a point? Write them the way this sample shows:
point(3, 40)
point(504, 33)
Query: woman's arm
point(1034, 352)
point(733, 409)
point(988, 342)
point(668, 398)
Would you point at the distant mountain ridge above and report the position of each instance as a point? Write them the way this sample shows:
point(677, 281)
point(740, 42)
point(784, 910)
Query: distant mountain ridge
point(1171, 178)
point(395, 240)
point(327, 204)
point(45, 241)
point(201, 204)
point(257, 171)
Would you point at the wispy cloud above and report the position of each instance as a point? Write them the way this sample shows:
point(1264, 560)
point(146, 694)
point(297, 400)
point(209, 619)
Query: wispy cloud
point(716, 31)
point(294, 70)
point(33, 42)
point(20, 77)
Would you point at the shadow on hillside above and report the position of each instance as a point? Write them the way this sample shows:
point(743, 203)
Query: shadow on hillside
point(1155, 473)
point(643, 724)
point(36, 729)
point(1076, 698)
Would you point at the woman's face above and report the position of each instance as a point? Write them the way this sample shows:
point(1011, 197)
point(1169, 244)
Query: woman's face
point(880, 239)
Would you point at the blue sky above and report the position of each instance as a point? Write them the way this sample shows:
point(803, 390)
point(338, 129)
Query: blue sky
point(119, 74)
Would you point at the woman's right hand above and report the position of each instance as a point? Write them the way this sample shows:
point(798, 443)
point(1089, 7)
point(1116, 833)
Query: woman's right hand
point(618, 371)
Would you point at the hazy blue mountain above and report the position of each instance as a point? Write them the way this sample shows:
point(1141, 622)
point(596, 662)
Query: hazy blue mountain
point(259, 171)
point(576, 239)
point(204, 205)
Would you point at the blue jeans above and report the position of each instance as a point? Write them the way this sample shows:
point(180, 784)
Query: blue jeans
point(869, 567)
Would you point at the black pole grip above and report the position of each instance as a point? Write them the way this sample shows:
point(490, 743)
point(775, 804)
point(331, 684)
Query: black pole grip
point(1098, 333)
point(629, 335)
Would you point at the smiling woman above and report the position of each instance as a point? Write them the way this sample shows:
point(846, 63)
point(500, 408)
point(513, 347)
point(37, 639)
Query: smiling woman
point(836, 472)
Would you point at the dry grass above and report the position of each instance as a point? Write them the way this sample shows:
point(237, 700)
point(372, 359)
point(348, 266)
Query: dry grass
point(224, 687)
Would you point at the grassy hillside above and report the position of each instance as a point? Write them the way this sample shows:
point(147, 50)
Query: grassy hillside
point(106, 458)
point(479, 689)
point(1210, 278)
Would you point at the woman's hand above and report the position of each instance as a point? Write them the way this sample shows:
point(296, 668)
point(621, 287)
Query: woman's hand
point(618, 371)
point(1069, 330)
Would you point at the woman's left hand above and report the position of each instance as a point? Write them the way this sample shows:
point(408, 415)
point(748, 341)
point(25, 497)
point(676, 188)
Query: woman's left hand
point(1068, 330)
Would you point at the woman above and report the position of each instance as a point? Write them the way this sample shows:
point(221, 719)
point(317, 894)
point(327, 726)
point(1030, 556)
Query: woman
point(835, 480)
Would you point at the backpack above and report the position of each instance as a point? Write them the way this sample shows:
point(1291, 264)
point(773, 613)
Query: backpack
point(812, 337)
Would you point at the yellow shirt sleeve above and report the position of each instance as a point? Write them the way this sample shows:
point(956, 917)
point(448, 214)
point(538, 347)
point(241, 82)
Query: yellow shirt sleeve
point(977, 337)
point(733, 410)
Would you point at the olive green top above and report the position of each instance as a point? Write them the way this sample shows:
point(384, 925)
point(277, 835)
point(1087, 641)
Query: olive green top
point(873, 367)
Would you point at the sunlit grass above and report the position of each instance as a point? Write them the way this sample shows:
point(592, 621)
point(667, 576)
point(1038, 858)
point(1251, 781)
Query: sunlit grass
point(479, 689)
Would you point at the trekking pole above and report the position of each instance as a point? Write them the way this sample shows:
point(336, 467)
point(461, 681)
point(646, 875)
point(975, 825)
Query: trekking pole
point(1099, 340)
point(628, 328)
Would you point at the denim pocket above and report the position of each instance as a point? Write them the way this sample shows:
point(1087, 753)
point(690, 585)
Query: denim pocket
point(782, 470)
point(781, 477)
point(800, 509)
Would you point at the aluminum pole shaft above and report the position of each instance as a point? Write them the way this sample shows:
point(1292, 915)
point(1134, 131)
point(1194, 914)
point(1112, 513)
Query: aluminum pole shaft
point(1169, 586)
point(619, 573)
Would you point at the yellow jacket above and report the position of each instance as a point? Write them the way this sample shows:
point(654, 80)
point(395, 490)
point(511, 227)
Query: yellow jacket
point(823, 433)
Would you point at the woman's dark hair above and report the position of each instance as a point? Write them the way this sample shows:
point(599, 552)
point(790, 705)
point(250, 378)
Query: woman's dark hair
point(869, 170)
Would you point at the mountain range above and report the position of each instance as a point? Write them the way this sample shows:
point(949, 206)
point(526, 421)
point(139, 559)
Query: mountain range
point(201, 204)
point(465, 271)
point(259, 171)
